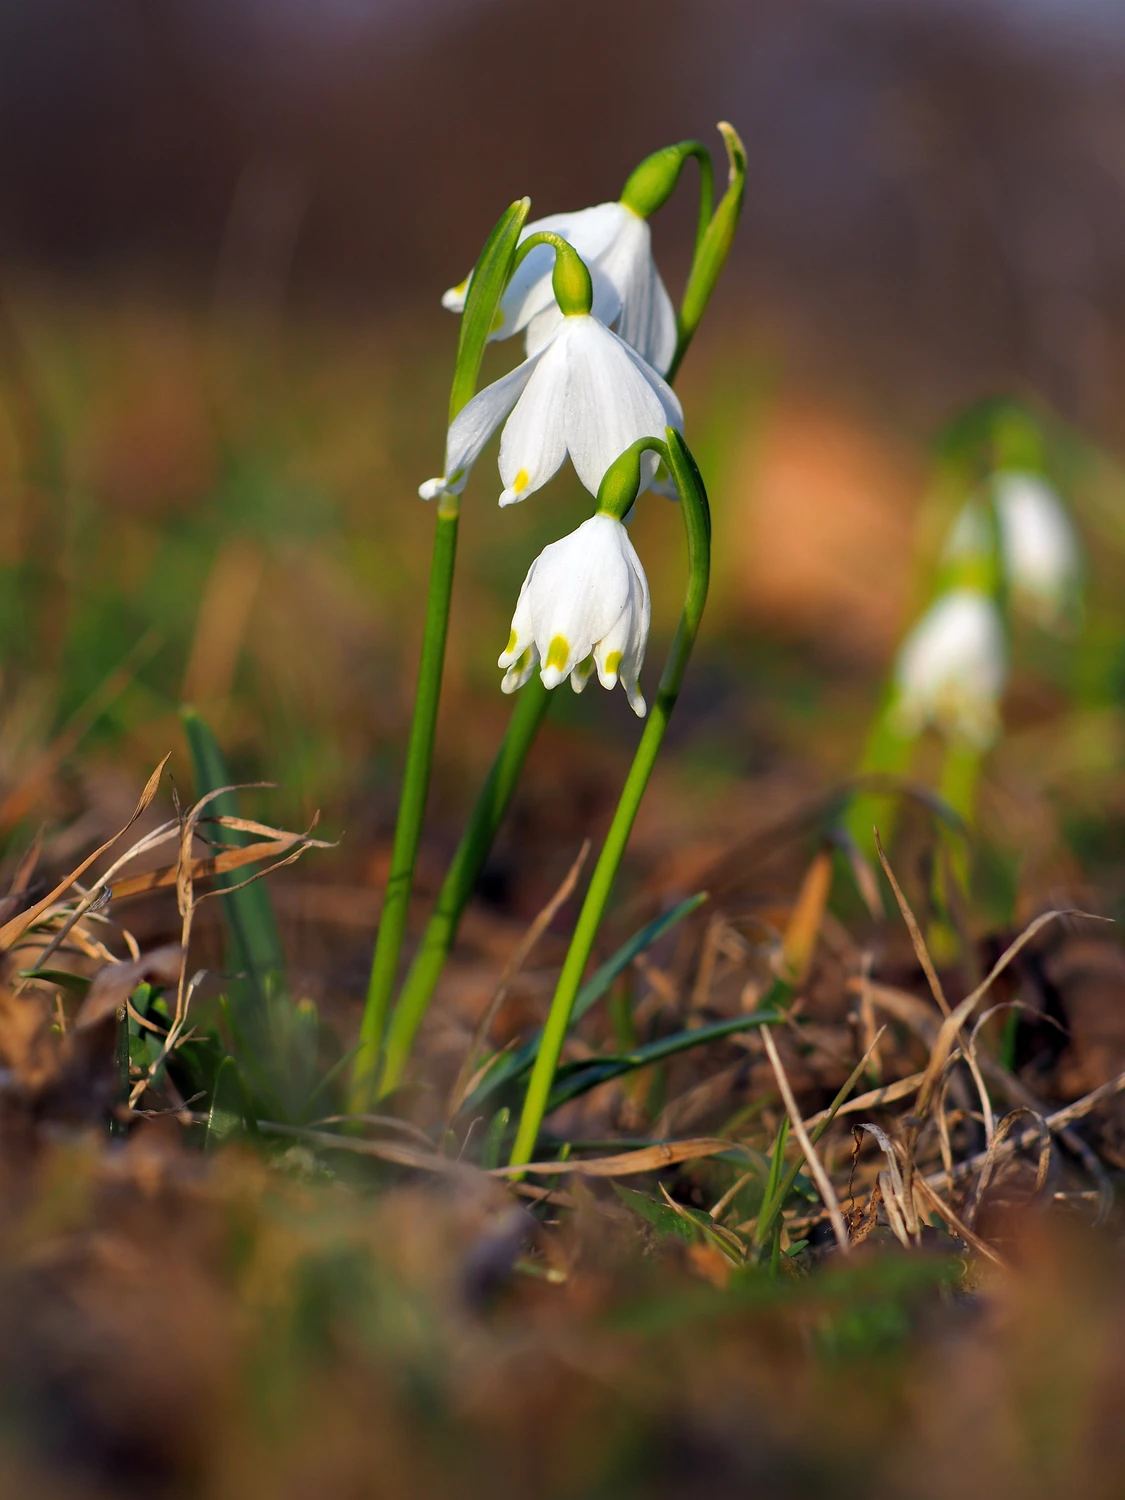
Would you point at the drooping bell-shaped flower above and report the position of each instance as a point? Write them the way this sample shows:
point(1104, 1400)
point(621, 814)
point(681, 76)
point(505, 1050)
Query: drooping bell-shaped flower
point(584, 604)
point(1041, 557)
point(616, 244)
point(585, 392)
point(952, 668)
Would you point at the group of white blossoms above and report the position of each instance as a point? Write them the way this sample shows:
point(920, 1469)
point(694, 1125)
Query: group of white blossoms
point(953, 666)
point(591, 386)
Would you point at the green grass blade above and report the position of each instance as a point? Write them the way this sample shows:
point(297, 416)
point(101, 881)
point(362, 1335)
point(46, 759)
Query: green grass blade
point(578, 1078)
point(227, 1116)
point(254, 941)
point(518, 1062)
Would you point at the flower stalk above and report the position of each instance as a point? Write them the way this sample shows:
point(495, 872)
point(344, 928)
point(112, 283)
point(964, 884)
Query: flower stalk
point(697, 524)
point(441, 929)
point(491, 275)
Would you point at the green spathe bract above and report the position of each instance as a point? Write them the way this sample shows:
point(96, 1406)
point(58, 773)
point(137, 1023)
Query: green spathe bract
point(713, 245)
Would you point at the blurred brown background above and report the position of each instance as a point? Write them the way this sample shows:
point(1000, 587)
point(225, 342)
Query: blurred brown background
point(935, 198)
point(224, 229)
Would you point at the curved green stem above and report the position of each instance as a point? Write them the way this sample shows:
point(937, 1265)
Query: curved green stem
point(441, 930)
point(570, 281)
point(697, 523)
point(653, 181)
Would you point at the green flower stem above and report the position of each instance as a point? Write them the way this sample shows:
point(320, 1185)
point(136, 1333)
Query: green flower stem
point(960, 777)
point(490, 277)
point(886, 758)
point(693, 500)
point(570, 279)
point(441, 930)
point(412, 805)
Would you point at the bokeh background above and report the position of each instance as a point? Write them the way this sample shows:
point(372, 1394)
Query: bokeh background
point(224, 230)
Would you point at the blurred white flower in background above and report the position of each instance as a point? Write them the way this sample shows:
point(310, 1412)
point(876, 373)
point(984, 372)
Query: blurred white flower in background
point(952, 668)
point(1038, 546)
point(616, 245)
point(583, 604)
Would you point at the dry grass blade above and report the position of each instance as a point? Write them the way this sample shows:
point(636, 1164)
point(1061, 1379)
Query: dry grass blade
point(466, 1077)
point(14, 929)
point(113, 984)
point(898, 1197)
point(957, 1225)
point(954, 1021)
point(980, 1187)
point(647, 1159)
point(888, 1094)
point(816, 1166)
point(867, 882)
point(1055, 1123)
point(26, 867)
point(922, 953)
point(389, 1151)
point(627, 1163)
point(730, 1195)
point(216, 864)
point(803, 927)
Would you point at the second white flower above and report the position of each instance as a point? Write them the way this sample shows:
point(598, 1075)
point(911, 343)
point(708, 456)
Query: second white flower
point(584, 604)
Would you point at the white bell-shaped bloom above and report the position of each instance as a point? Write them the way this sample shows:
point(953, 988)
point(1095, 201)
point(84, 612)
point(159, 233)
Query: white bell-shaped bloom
point(1041, 556)
point(584, 604)
point(586, 393)
point(616, 245)
point(952, 668)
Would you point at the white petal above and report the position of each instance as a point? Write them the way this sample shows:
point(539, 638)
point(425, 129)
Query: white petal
point(581, 674)
point(648, 320)
point(533, 446)
point(542, 329)
point(581, 589)
point(1041, 555)
point(638, 643)
point(952, 667)
point(620, 656)
point(453, 300)
point(609, 652)
point(673, 411)
point(475, 423)
point(522, 632)
point(610, 401)
point(520, 671)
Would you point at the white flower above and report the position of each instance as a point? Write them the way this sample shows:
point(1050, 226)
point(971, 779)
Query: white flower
point(584, 597)
point(1039, 548)
point(952, 667)
point(586, 393)
point(616, 245)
